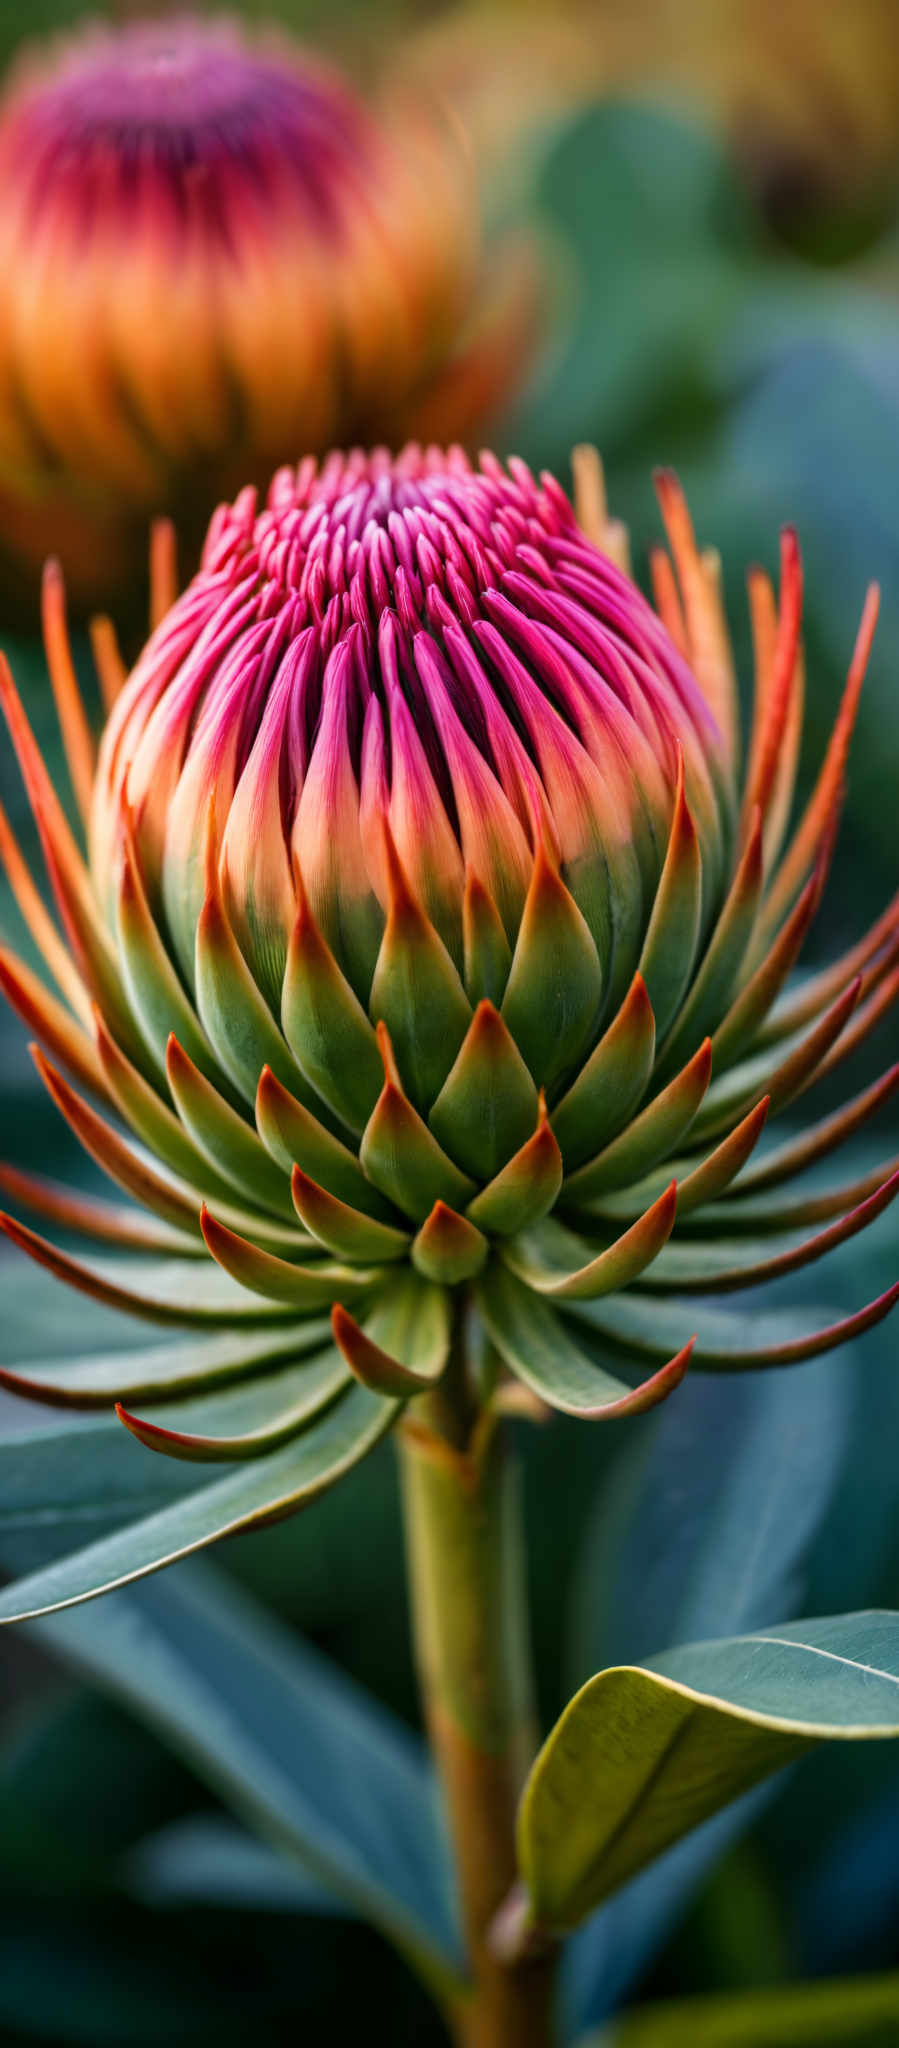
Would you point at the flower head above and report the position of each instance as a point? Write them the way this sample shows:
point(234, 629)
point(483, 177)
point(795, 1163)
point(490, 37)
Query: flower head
point(211, 251)
point(432, 940)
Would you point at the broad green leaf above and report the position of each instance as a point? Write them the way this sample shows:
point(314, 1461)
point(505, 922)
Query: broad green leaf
point(306, 1759)
point(642, 1755)
point(264, 1487)
point(854, 2012)
point(681, 1545)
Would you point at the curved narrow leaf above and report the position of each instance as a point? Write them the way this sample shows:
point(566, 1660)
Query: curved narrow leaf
point(301, 1755)
point(818, 1140)
point(543, 1257)
point(727, 1264)
point(224, 1137)
point(345, 1232)
point(257, 1492)
point(641, 1755)
point(246, 1419)
point(726, 1341)
point(109, 1223)
point(400, 1154)
point(525, 1189)
point(541, 1350)
point(661, 1126)
point(207, 1860)
point(487, 1107)
point(669, 948)
point(405, 1343)
point(159, 1290)
point(261, 1273)
point(69, 1480)
point(161, 1371)
point(295, 1138)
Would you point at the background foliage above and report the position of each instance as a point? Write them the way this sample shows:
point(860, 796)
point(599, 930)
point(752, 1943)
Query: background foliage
point(724, 296)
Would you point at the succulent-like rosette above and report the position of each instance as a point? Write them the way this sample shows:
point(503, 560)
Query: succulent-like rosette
point(211, 251)
point(429, 962)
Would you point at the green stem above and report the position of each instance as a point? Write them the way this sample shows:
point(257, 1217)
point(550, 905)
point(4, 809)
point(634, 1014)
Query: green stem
point(461, 1500)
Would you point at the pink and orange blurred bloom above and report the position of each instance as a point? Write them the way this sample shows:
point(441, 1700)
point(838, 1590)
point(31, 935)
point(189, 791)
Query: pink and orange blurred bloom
point(212, 251)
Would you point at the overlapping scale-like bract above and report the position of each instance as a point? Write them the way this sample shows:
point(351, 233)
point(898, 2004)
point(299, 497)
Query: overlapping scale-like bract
point(242, 258)
point(430, 960)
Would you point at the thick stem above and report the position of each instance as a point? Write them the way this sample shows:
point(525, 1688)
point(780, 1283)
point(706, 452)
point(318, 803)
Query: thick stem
point(469, 1619)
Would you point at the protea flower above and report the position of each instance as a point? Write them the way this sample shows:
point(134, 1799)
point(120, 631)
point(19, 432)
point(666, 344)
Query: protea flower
point(431, 945)
point(210, 252)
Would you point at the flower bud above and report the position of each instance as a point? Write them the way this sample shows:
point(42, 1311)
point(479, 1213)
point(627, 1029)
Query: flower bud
point(435, 949)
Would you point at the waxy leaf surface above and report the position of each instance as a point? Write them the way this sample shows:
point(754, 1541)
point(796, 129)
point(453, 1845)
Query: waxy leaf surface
point(642, 1754)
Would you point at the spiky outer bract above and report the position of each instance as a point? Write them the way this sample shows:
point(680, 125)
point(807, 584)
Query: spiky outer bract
point(430, 960)
point(212, 252)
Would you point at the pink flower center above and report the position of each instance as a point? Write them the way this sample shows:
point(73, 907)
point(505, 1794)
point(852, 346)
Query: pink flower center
point(185, 108)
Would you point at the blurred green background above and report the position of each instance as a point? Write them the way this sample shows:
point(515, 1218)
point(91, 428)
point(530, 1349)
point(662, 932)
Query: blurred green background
point(717, 192)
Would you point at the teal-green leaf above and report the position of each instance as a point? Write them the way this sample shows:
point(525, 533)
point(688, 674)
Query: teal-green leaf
point(283, 1480)
point(642, 1754)
point(243, 1421)
point(168, 1371)
point(854, 2012)
point(66, 1481)
point(208, 1860)
point(541, 1349)
point(307, 1760)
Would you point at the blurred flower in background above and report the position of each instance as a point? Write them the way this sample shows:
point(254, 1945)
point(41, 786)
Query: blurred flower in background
point(809, 96)
point(213, 256)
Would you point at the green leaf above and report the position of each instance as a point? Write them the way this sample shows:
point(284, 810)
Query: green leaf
point(243, 1420)
point(856, 2012)
point(542, 1350)
point(308, 1761)
point(641, 1756)
point(73, 1479)
point(679, 1546)
point(208, 1860)
point(160, 1290)
point(254, 1493)
point(184, 1365)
